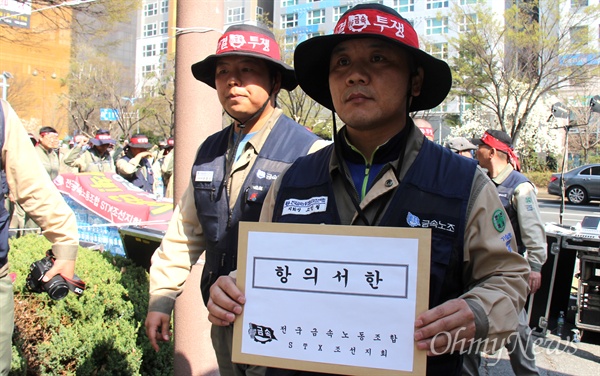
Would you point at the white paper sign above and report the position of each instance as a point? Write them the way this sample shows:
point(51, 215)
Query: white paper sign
point(339, 299)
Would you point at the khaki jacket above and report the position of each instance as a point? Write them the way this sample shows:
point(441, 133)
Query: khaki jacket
point(533, 233)
point(31, 187)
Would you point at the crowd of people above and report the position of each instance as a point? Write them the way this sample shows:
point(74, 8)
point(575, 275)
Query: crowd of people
point(379, 171)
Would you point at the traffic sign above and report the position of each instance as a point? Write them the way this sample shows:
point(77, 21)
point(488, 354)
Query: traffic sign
point(109, 114)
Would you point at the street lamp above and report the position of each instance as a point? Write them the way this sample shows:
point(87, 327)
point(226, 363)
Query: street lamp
point(5, 85)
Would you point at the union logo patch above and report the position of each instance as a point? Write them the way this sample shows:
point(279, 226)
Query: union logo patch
point(499, 220)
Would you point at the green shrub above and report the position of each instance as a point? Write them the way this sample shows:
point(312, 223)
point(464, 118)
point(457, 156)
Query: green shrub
point(540, 179)
point(100, 333)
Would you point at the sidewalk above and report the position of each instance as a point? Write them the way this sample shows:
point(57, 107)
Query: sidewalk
point(554, 357)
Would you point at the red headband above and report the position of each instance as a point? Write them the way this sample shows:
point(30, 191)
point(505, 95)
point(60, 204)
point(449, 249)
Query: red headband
point(42, 134)
point(247, 41)
point(102, 137)
point(492, 141)
point(371, 21)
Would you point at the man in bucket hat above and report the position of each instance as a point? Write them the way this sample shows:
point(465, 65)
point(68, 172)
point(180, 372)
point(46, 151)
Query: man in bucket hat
point(382, 171)
point(232, 173)
point(97, 158)
point(134, 165)
point(519, 197)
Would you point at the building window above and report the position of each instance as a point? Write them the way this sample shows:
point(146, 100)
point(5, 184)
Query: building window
point(163, 48)
point(164, 6)
point(288, 3)
point(579, 35)
point(164, 27)
point(149, 50)
point(436, 4)
point(313, 1)
point(150, 9)
point(469, 2)
point(289, 20)
point(439, 50)
point(259, 11)
point(235, 15)
point(403, 6)
point(437, 26)
point(466, 21)
point(150, 30)
point(290, 42)
point(316, 17)
point(147, 71)
point(316, 34)
point(338, 11)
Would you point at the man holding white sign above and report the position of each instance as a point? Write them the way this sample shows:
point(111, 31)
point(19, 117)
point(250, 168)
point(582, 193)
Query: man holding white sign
point(381, 171)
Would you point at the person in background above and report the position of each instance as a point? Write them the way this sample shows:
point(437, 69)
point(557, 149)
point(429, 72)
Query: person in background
point(382, 171)
point(46, 151)
point(165, 170)
point(96, 158)
point(31, 187)
point(135, 164)
point(519, 198)
point(461, 146)
point(231, 175)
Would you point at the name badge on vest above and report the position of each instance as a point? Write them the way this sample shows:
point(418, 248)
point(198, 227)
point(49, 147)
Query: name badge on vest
point(305, 207)
point(204, 176)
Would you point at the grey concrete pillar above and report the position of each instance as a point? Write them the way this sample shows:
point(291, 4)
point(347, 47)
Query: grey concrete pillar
point(197, 115)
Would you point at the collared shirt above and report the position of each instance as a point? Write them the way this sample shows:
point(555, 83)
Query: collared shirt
point(533, 233)
point(495, 279)
point(184, 242)
point(31, 187)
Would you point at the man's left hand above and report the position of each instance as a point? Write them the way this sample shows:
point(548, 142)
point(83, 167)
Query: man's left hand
point(535, 281)
point(441, 329)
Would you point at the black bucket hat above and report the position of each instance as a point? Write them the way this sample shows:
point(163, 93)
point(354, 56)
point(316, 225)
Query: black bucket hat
point(102, 137)
point(139, 141)
point(311, 58)
point(246, 40)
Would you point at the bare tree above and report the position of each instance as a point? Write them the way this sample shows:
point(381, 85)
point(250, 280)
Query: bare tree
point(58, 16)
point(506, 66)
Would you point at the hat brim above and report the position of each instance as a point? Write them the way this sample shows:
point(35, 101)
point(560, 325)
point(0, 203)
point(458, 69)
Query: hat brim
point(311, 62)
point(205, 70)
point(140, 146)
point(97, 142)
point(476, 141)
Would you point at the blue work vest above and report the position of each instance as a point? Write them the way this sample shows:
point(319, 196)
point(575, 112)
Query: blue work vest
point(4, 216)
point(423, 199)
point(287, 141)
point(138, 179)
point(505, 192)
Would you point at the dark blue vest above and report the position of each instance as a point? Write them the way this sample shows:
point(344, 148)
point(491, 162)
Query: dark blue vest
point(287, 141)
point(505, 193)
point(4, 216)
point(423, 199)
point(138, 179)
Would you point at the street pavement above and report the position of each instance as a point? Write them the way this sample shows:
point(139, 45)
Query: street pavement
point(554, 357)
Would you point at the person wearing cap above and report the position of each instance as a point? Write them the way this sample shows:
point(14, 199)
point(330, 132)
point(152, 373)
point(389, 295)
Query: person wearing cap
point(94, 159)
point(46, 151)
point(231, 175)
point(519, 198)
point(134, 165)
point(30, 186)
point(382, 171)
point(461, 146)
point(163, 164)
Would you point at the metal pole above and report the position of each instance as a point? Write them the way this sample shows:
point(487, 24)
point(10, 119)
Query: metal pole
point(562, 175)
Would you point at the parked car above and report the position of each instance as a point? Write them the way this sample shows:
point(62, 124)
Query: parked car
point(582, 184)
